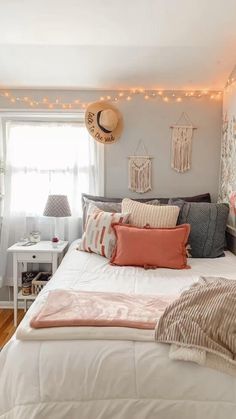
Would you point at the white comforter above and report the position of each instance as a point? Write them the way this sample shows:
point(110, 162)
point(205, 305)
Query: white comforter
point(106, 379)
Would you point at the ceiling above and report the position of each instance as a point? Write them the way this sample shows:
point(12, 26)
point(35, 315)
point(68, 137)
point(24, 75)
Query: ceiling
point(112, 44)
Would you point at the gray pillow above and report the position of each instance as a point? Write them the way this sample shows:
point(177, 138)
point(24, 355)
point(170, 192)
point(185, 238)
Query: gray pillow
point(208, 224)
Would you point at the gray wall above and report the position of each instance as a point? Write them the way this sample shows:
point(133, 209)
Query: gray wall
point(150, 121)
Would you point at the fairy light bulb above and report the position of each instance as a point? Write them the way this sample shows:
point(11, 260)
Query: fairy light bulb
point(101, 98)
point(160, 93)
point(108, 97)
point(179, 99)
point(128, 98)
point(121, 94)
point(13, 100)
point(166, 99)
point(146, 97)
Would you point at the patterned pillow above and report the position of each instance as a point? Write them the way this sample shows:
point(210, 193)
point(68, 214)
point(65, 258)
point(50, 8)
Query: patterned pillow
point(104, 206)
point(99, 236)
point(156, 216)
point(109, 206)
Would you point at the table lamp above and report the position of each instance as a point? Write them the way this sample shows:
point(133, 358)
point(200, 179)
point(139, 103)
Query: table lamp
point(57, 206)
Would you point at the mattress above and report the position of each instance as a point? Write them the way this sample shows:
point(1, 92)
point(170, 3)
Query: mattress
point(118, 379)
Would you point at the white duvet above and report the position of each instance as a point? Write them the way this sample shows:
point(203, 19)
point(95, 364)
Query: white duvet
point(113, 379)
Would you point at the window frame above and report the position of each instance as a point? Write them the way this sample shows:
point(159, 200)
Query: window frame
point(23, 116)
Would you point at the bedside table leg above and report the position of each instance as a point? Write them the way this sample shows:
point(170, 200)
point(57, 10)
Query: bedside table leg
point(15, 292)
point(54, 263)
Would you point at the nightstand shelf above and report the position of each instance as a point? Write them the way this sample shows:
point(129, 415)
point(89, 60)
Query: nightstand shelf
point(20, 296)
point(25, 298)
point(41, 252)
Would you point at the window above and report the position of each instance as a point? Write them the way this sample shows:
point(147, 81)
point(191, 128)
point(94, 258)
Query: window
point(47, 157)
point(41, 158)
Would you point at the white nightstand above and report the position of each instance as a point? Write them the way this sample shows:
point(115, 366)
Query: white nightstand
point(42, 252)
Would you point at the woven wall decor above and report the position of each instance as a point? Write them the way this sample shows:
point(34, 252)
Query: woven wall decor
point(140, 171)
point(182, 134)
point(228, 158)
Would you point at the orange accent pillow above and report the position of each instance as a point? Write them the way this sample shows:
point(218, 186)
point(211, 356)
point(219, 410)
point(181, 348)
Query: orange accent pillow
point(151, 247)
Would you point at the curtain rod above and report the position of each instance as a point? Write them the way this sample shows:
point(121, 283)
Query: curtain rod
point(39, 114)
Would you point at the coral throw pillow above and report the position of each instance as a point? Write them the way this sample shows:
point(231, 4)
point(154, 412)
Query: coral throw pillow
point(157, 216)
point(151, 247)
point(99, 236)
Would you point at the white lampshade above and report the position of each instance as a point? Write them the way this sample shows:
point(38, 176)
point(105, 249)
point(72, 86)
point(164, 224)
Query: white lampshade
point(57, 206)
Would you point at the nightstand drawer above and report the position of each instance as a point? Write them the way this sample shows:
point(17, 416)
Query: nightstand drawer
point(34, 257)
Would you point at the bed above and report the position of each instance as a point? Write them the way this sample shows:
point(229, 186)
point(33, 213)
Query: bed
point(118, 379)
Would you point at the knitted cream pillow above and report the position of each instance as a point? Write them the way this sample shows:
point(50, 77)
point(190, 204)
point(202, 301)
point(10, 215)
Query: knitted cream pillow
point(156, 216)
point(99, 236)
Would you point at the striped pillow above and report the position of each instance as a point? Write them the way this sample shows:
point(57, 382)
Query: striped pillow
point(99, 236)
point(156, 216)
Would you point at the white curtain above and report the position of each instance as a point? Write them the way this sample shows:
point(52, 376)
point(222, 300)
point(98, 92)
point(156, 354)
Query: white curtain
point(43, 158)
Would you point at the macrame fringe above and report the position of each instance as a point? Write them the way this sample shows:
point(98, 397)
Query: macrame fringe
point(140, 174)
point(181, 148)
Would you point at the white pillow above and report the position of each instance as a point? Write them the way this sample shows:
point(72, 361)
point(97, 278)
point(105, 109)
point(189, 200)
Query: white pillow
point(99, 236)
point(156, 216)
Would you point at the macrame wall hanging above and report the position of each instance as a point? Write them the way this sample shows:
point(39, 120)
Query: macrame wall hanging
point(182, 134)
point(140, 170)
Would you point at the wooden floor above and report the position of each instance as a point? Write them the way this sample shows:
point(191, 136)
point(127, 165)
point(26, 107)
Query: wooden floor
point(7, 328)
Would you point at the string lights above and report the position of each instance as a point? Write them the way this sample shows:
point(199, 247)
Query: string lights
point(230, 83)
point(126, 95)
point(231, 80)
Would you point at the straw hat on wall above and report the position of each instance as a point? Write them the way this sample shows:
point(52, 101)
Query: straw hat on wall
point(104, 122)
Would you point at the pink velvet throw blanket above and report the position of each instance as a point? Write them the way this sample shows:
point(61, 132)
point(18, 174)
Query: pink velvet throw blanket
point(79, 308)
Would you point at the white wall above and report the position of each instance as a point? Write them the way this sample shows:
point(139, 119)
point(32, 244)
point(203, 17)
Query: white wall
point(228, 150)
